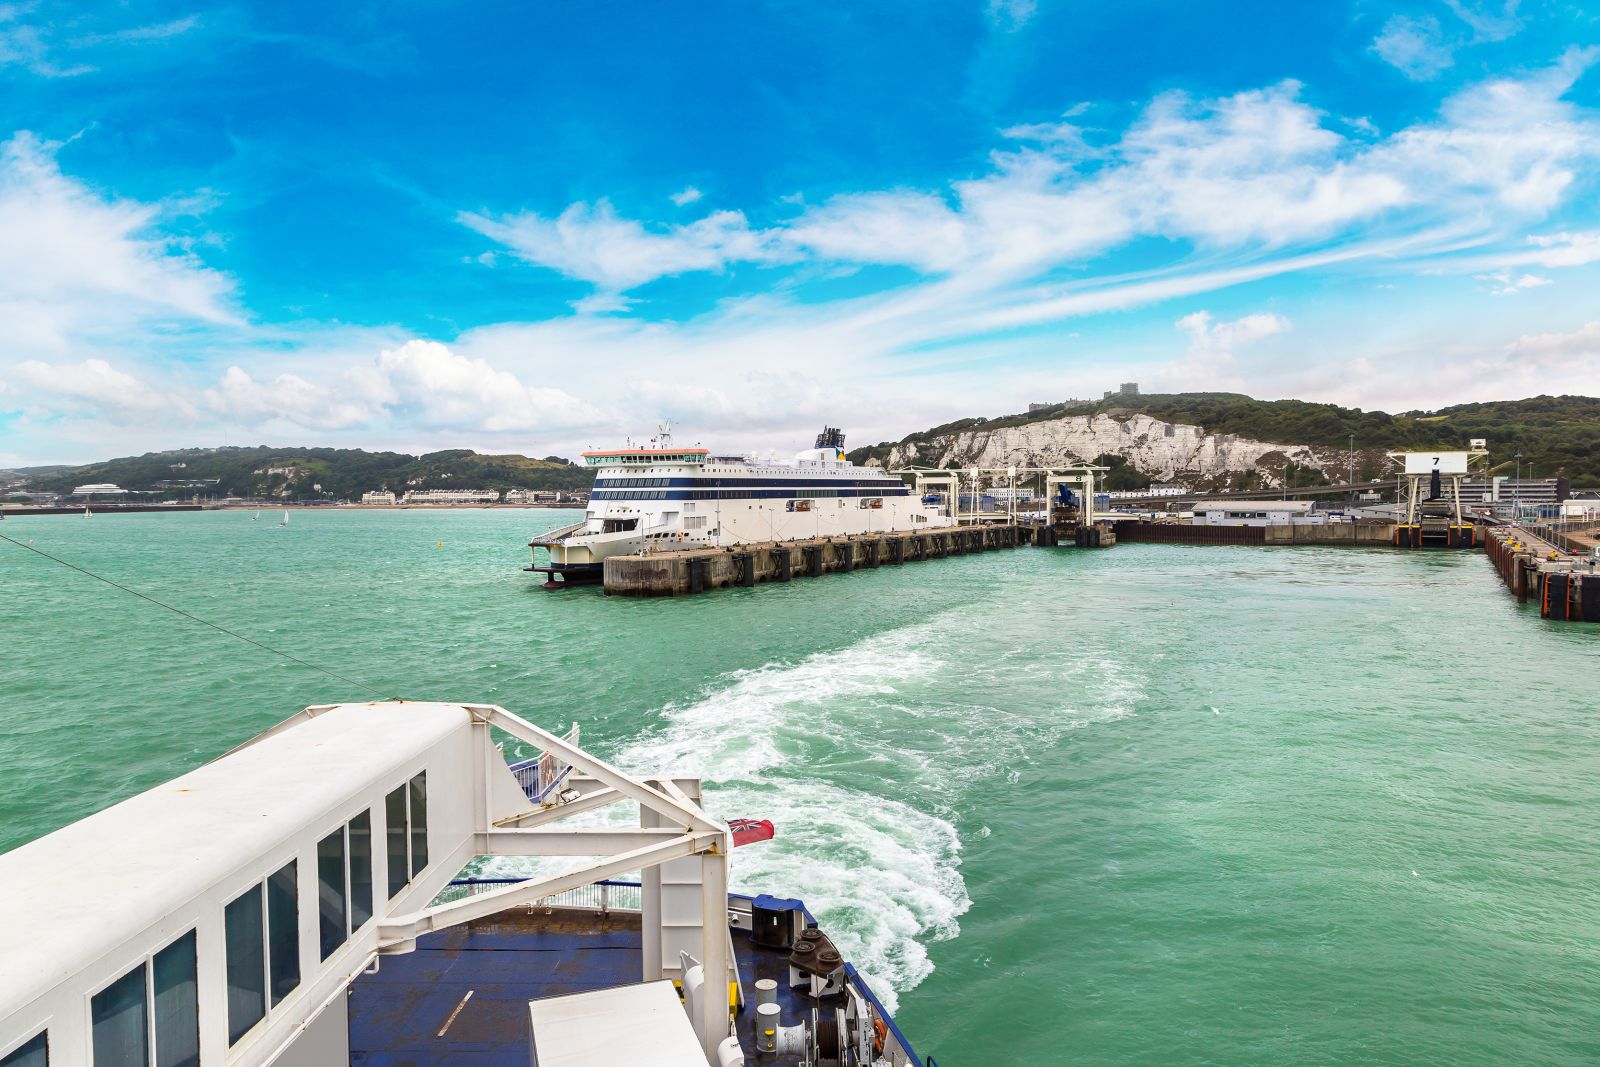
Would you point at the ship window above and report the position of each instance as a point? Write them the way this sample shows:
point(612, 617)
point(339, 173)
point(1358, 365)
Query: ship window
point(283, 931)
point(177, 1004)
point(32, 1053)
point(120, 1021)
point(332, 907)
point(419, 823)
point(394, 810)
point(247, 972)
point(360, 870)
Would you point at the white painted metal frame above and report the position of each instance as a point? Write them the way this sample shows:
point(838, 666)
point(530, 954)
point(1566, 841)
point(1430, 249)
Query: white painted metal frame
point(1411, 484)
point(284, 791)
point(1084, 477)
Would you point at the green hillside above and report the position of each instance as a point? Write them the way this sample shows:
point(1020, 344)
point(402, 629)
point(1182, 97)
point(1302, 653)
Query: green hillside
point(1556, 434)
point(343, 473)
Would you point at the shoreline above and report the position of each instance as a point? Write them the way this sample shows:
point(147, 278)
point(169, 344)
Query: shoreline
point(14, 511)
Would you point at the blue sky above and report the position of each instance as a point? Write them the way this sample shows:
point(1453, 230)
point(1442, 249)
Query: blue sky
point(537, 227)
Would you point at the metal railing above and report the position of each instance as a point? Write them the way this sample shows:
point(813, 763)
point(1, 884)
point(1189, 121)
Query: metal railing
point(560, 533)
point(602, 897)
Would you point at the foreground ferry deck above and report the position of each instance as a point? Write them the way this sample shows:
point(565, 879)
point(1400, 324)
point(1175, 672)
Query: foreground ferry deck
point(300, 901)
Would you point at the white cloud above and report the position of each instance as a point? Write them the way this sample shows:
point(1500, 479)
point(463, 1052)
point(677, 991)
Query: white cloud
point(595, 244)
point(1009, 15)
point(1207, 336)
point(1414, 46)
point(1242, 188)
point(96, 383)
point(1514, 143)
point(1504, 283)
point(77, 266)
point(686, 196)
point(1567, 249)
point(427, 384)
point(287, 398)
point(601, 302)
point(1246, 175)
point(41, 47)
point(1489, 22)
point(1575, 351)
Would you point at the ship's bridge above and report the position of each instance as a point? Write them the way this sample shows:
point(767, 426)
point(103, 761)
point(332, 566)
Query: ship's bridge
point(222, 918)
point(644, 457)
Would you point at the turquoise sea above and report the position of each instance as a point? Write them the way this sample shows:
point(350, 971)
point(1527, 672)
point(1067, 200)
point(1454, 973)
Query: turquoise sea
point(1151, 805)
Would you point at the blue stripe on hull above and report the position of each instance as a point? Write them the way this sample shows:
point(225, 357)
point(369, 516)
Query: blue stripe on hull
point(898, 492)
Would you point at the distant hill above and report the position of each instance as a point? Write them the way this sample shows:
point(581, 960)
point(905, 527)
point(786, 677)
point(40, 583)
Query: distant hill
point(293, 473)
point(1555, 434)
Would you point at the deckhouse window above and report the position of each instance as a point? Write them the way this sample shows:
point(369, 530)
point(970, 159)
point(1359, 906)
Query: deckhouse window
point(120, 1020)
point(283, 931)
point(332, 902)
point(261, 932)
point(394, 811)
point(34, 1052)
point(247, 970)
point(360, 870)
point(176, 1005)
point(406, 813)
point(419, 823)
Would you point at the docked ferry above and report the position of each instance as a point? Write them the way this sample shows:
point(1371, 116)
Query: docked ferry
point(307, 900)
point(663, 498)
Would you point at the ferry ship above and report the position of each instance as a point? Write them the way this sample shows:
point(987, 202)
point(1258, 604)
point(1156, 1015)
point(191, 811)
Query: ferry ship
point(306, 901)
point(663, 498)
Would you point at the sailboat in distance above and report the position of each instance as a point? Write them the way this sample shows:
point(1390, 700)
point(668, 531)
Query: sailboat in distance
point(256, 517)
point(285, 520)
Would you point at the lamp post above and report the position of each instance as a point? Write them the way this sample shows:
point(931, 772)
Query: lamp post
point(1352, 476)
point(1516, 490)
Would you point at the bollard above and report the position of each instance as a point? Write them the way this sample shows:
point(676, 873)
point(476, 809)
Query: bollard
point(766, 991)
point(767, 1027)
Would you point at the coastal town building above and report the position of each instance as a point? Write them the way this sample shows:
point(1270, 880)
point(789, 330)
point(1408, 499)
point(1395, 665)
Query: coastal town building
point(452, 496)
point(100, 489)
point(1502, 490)
point(382, 496)
point(532, 496)
point(1251, 512)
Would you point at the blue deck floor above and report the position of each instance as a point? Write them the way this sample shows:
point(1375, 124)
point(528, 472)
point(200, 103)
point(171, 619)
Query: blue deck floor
point(397, 1014)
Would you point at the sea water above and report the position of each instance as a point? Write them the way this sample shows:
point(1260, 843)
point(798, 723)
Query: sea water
point(1154, 804)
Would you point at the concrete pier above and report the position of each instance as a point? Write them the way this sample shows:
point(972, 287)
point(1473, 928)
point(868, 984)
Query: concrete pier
point(1373, 534)
point(1565, 587)
point(697, 570)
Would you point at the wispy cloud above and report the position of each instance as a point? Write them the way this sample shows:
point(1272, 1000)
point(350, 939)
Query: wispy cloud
point(1257, 172)
point(1415, 46)
point(1490, 21)
point(1214, 193)
point(593, 243)
point(686, 196)
point(76, 266)
point(44, 48)
point(1504, 283)
point(1009, 16)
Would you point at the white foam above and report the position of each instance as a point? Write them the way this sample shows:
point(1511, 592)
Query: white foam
point(864, 757)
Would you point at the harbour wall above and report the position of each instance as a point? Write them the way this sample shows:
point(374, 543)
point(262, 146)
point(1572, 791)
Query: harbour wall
point(1374, 534)
point(697, 570)
point(1565, 588)
point(102, 509)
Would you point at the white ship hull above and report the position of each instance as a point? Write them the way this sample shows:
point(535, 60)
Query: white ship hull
point(664, 499)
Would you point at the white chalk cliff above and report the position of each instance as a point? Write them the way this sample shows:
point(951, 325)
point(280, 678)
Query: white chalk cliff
point(1165, 451)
